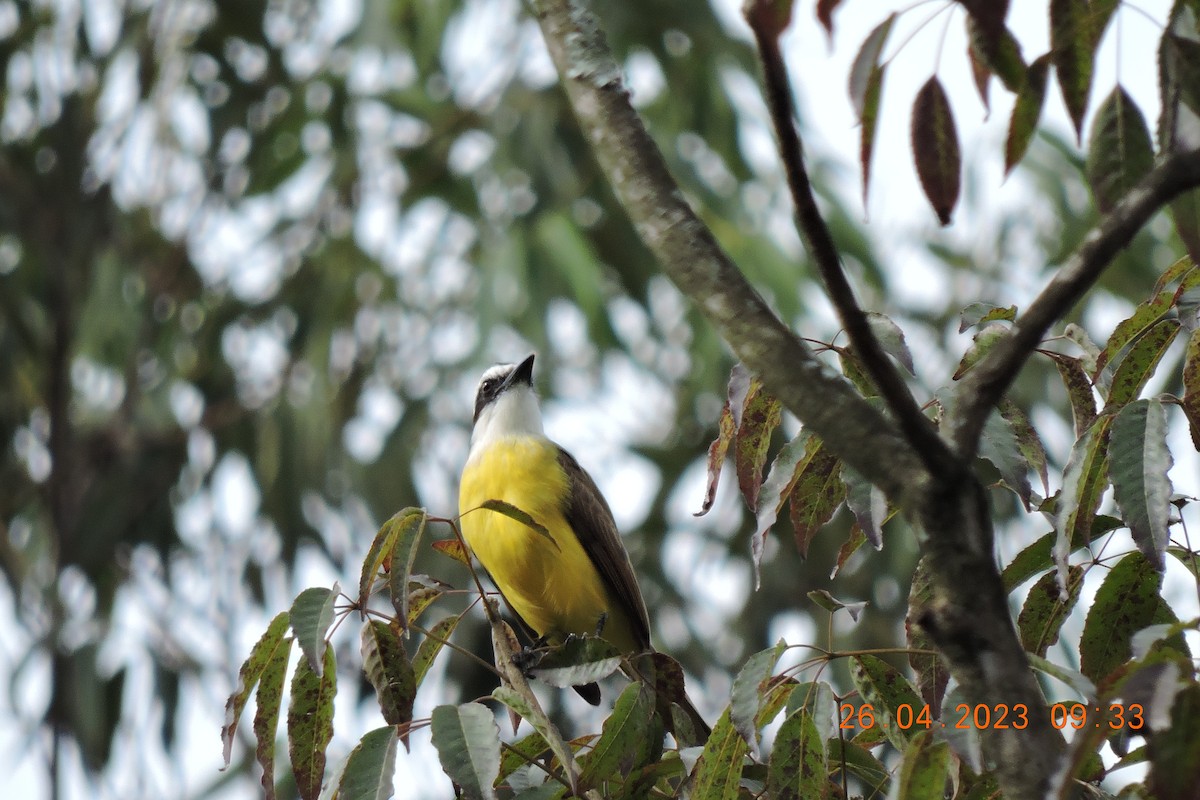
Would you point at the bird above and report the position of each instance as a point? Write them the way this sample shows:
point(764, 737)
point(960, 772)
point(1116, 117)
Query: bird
point(575, 577)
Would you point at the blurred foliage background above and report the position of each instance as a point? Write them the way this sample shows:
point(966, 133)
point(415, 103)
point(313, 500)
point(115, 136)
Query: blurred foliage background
point(253, 257)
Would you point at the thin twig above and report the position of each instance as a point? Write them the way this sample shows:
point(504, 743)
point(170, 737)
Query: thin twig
point(982, 387)
point(917, 428)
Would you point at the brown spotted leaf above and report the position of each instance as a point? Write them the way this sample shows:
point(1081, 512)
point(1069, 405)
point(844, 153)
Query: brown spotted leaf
point(1044, 610)
point(761, 414)
point(935, 148)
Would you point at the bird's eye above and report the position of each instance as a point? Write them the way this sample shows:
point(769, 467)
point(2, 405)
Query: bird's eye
point(489, 384)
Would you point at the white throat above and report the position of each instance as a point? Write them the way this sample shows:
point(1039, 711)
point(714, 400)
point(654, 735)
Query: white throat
point(514, 413)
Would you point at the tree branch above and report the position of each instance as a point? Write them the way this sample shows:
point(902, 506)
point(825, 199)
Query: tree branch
point(916, 427)
point(689, 254)
point(983, 386)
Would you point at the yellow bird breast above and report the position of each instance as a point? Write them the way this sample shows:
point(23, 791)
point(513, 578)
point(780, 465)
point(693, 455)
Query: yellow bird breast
point(552, 585)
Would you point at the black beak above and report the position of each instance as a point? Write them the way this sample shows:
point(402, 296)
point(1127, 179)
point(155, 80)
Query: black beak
point(522, 374)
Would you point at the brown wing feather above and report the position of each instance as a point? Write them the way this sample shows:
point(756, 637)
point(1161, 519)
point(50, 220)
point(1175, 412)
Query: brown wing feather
point(588, 514)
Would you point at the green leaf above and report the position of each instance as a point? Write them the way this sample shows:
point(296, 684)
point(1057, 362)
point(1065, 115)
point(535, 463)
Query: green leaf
point(1044, 611)
point(1000, 446)
point(378, 554)
point(935, 148)
point(997, 48)
point(310, 722)
point(761, 414)
point(520, 515)
point(577, 661)
point(468, 745)
point(854, 540)
point(1072, 52)
point(387, 667)
point(856, 760)
point(923, 771)
point(1144, 316)
point(410, 527)
point(1138, 465)
point(1139, 363)
point(1119, 150)
point(981, 313)
point(1183, 56)
point(311, 615)
point(1076, 680)
point(1126, 602)
point(1028, 441)
point(868, 503)
point(831, 604)
point(624, 730)
point(1026, 112)
point(431, 645)
point(747, 696)
point(1039, 556)
point(891, 339)
point(537, 718)
point(1084, 480)
point(718, 771)
point(818, 699)
point(262, 655)
point(796, 770)
point(1175, 751)
point(1191, 386)
point(268, 700)
point(1079, 390)
point(1188, 558)
point(981, 344)
point(816, 495)
point(520, 753)
point(882, 685)
point(370, 767)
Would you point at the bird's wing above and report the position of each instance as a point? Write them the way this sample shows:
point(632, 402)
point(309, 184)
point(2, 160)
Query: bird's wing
point(589, 515)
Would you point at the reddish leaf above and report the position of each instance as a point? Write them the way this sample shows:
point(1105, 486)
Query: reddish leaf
point(771, 17)
point(854, 540)
point(760, 417)
point(935, 148)
point(452, 548)
point(982, 75)
point(998, 50)
point(731, 418)
point(1026, 112)
point(1071, 46)
point(825, 9)
point(866, 87)
point(1119, 150)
